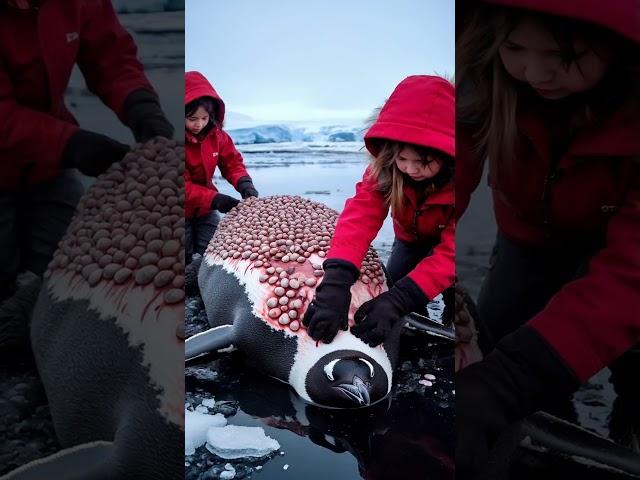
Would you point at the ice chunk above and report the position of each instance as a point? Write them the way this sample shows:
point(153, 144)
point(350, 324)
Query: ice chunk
point(209, 402)
point(229, 472)
point(196, 425)
point(235, 441)
point(202, 409)
point(286, 466)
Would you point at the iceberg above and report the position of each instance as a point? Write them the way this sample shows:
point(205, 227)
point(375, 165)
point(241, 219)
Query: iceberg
point(283, 133)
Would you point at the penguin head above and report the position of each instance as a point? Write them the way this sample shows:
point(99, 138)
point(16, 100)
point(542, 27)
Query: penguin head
point(346, 379)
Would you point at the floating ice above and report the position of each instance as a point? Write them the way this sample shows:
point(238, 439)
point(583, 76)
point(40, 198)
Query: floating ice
point(235, 441)
point(286, 466)
point(196, 425)
point(228, 473)
point(202, 409)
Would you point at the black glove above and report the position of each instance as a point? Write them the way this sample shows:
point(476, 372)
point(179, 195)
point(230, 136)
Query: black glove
point(223, 203)
point(519, 377)
point(329, 310)
point(246, 188)
point(144, 116)
point(376, 318)
point(92, 153)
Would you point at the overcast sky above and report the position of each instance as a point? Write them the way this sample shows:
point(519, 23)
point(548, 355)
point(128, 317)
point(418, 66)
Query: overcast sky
point(286, 60)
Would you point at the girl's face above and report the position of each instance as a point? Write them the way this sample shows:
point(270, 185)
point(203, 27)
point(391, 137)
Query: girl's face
point(197, 120)
point(410, 163)
point(531, 54)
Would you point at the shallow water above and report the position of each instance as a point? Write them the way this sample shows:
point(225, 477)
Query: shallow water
point(328, 177)
point(409, 435)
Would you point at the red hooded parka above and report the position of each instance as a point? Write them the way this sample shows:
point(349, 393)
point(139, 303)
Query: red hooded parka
point(203, 155)
point(38, 49)
point(592, 190)
point(420, 111)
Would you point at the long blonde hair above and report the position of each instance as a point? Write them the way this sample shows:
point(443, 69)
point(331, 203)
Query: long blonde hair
point(391, 181)
point(488, 97)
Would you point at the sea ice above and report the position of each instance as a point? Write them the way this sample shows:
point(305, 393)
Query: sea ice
point(235, 441)
point(196, 425)
point(228, 473)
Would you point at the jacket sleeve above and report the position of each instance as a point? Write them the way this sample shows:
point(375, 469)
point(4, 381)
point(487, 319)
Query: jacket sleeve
point(594, 319)
point(108, 56)
point(198, 197)
point(359, 222)
point(436, 272)
point(19, 143)
point(230, 160)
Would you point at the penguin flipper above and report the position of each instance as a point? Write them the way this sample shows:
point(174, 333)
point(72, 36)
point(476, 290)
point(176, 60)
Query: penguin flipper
point(88, 461)
point(208, 341)
point(430, 327)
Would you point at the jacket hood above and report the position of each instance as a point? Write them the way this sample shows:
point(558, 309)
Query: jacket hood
point(196, 85)
point(620, 16)
point(421, 111)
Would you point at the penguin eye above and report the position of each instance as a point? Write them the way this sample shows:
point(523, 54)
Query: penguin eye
point(328, 368)
point(371, 370)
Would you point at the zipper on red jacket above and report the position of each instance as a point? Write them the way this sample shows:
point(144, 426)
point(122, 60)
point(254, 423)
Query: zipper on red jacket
point(549, 180)
point(415, 222)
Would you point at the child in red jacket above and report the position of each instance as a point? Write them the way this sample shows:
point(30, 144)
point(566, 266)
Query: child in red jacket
point(546, 93)
point(208, 146)
point(40, 140)
point(412, 149)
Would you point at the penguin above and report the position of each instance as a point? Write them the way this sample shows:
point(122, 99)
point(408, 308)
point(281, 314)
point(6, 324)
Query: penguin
point(257, 278)
point(107, 324)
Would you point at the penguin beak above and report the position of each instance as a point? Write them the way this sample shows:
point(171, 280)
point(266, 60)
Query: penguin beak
point(357, 391)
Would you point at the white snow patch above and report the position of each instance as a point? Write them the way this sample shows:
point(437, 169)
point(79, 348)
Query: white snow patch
point(209, 402)
point(234, 441)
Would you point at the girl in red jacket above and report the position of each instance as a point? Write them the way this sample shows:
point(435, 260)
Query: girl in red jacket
point(412, 149)
point(548, 93)
point(208, 146)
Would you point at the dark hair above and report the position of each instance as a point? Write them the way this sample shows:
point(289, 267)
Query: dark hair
point(210, 105)
point(488, 97)
point(391, 180)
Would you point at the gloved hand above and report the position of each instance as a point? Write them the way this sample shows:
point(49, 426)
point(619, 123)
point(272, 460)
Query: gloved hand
point(144, 116)
point(329, 310)
point(92, 153)
point(223, 203)
point(519, 377)
point(246, 188)
point(376, 318)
